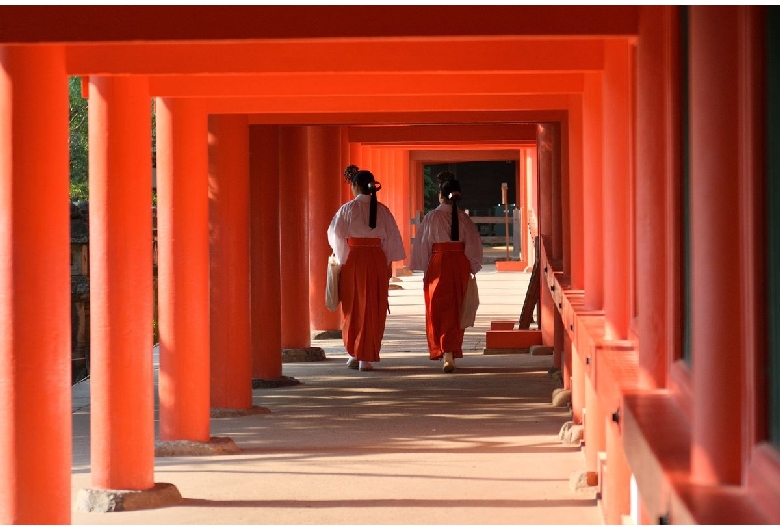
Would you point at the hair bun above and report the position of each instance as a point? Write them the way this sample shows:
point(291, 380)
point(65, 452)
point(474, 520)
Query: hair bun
point(350, 172)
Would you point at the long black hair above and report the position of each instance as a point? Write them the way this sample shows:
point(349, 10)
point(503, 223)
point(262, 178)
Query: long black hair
point(449, 188)
point(364, 180)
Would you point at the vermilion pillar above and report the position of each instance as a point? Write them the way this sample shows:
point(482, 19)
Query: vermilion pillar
point(231, 361)
point(404, 190)
point(416, 192)
point(547, 225)
point(618, 174)
point(656, 97)
point(556, 185)
point(120, 230)
point(715, 281)
point(183, 269)
point(594, 422)
point(293, 220)
point(265, 252)
point(574, 205)
point(531, 205)
point(355, 157)
point(324, 196)
point(591, 193)
point(35, 408)
point(545, 183)
point(578, 383)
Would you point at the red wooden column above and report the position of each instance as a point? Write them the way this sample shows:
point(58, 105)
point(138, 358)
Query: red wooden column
point(405, 212)
point(617, 187)
point(531, 206)
point(715, 282)
point(324, 195)
point(575, 205)
point(375, 166)
point(416, 191)
point(547, 225)
point(231, 360)
point(35, 406)
point(593, 236)
point(355, 157)
point(293, 222)
point(265, 252)
point(183, 269)
point(577, 383)
point(556, 191)
point(594, 421)
point(559, 359)
point(120, 228)
point(658, 134)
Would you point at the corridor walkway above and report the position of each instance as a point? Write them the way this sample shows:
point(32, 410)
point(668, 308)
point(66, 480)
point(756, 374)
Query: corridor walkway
point(403, 445)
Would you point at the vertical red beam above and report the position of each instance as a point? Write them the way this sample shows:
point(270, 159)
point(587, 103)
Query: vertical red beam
point(575, 205)
point(593, 236)
point(356, 158)
point(375, 164)
point(231, 360)
point(35, 408)
point(265, 274)
point(657, 131)
point(293, 220)
point(547, 225)
point(404, 212)
point(416, 192)
point(120, 229)
point(386, 175)
point(577, 385)
point(556, 201)
point(618, 72)
point(324, 196)
point(183, 269)
point(715, 282)
point(532, 206)
point(594, 422)
point(616, 490)
point(545, 186)
point(558, 346)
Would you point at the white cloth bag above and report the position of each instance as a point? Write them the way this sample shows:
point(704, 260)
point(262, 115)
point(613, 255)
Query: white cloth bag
point(332, 284)
point(468, 311)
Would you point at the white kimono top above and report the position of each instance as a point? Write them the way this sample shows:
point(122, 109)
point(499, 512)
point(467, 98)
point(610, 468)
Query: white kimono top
point(435, 228)
point(351, 220)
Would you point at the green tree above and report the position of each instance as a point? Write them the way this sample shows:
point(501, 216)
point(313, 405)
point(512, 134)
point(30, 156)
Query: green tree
point(78, 141)
point(430, 190)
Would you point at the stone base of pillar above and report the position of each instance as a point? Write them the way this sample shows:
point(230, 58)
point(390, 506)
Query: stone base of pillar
point(303, 355)
point(542, 350)
point(215, 446)
point(217, 412)
point(326, 334)
point(582, 481)
point(561, 397)
point(275, 383)
point(161, 495)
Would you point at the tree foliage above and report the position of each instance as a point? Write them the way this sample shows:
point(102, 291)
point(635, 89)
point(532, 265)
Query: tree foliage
point(78, 141)
point(430, 190)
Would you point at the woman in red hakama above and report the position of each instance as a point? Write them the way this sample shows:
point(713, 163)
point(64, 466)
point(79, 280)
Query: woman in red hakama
point(365, 239)
point(448, 248)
